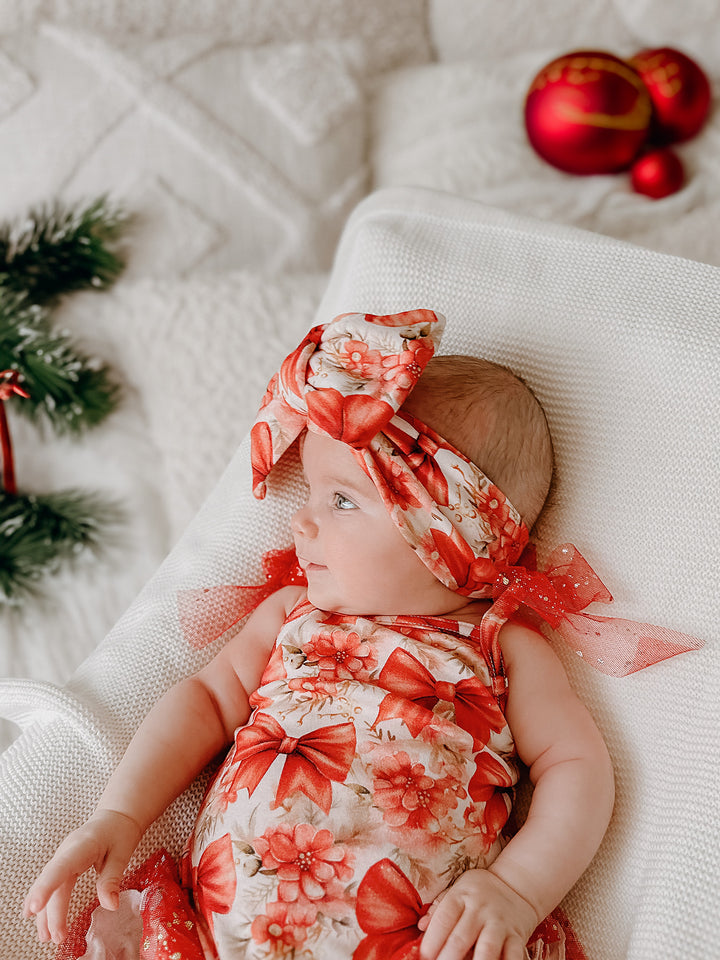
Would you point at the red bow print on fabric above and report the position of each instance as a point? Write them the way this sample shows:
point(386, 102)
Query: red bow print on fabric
point(214, 880)
point(410, 683)
point(312, 761)
point(388, 909)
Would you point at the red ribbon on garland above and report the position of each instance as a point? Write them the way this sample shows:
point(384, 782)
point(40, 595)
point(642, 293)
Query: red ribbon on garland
point(9, 386)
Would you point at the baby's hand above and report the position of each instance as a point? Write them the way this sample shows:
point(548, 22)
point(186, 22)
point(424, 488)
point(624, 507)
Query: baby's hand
point(481, 917)
point(106, 841)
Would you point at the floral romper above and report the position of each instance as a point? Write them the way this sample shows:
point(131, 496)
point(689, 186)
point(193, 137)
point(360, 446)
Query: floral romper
point(376, 768)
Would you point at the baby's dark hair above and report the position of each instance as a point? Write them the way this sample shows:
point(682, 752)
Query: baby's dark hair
point(493, 417)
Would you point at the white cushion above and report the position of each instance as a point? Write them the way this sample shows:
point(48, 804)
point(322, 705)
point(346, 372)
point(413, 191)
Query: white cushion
point(621, 346)
point(236, 133)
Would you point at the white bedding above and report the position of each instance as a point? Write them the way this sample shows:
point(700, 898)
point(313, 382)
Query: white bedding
point(243, 134)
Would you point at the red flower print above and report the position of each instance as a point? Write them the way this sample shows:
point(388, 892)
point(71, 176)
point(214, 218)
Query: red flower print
point(493, 806)
point(309, 865)
point(388, 910)
point(423, 463)
point(283, 926)
point(361, 361)
point(274, 670)
point(407, 796)
point(214, 881)
point(398, 486)
point(402, 371)
point(354, 419)
point(311, 761)
point(340, 655)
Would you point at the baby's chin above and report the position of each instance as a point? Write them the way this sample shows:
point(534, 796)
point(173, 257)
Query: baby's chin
point(357, 607)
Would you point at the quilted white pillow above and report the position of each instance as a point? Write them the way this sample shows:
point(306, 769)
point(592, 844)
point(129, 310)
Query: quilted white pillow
point(235, 131)
point(621, 347)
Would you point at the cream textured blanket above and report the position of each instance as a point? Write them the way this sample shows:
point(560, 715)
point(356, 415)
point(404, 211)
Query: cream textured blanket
point(610, 336)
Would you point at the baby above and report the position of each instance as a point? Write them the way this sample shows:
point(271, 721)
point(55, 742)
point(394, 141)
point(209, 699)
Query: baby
point(375, 717)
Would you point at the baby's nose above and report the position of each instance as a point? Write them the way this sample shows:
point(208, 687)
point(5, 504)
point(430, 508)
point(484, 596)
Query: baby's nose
point(302, 523)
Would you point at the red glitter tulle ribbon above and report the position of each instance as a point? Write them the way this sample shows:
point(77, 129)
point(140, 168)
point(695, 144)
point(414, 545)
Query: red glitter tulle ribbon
point(557, 596)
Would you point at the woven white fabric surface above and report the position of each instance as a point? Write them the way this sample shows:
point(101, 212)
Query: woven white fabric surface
point(621, 346)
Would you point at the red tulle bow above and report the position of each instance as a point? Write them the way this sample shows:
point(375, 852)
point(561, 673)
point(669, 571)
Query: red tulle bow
point(170, 925)
point(565, 587)
point(312, 761)
point(208, 613)
point(476, 709)
point(388, 910)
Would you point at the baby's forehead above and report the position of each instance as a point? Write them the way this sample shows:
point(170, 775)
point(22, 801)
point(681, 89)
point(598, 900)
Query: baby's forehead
point(325, 459)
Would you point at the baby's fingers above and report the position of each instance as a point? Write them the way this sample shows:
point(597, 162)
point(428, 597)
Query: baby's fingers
point(441, 931)
point(109, 877)
point(75, 855)
point(55, 914)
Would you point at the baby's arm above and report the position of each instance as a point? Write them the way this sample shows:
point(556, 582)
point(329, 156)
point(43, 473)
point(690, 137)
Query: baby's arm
point(569, 766)
point(185, 729)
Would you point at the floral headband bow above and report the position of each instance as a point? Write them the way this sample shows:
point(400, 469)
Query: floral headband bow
point(348, 380)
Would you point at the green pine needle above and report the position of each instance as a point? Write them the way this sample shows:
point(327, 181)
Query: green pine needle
point(68, 389)
point(40, 533)
point(57, 249)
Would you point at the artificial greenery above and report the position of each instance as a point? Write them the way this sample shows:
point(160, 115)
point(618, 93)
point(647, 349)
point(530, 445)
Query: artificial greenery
point(60, 248)
point(68, 389)
point(39, 533)
point(51, 253)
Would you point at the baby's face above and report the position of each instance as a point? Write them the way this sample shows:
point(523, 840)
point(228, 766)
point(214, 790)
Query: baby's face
point(355, 558)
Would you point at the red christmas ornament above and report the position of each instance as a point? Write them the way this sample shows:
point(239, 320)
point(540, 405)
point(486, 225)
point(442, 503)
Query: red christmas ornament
point(588, 112)
point(657, 174)
point(679, 91)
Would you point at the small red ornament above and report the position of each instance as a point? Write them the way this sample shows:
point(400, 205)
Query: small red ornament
point(679, 90)
point(588, 112)
point(657, 174)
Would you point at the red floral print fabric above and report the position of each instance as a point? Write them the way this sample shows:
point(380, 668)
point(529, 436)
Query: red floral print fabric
point(374, 741)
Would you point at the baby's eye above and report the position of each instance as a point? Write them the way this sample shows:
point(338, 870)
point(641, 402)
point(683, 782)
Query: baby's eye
point(341, 502)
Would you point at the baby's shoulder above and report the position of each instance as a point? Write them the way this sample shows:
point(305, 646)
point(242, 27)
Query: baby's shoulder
point(288, 598)
point(527, 652)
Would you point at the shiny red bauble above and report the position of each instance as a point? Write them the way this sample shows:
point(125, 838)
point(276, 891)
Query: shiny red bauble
point(679, 91)
point(657, 174)
point(588, 112)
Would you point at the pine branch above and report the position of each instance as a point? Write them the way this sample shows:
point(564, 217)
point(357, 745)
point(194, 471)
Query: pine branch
point(40, 533)
point(70, 390)
point(57, 249)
